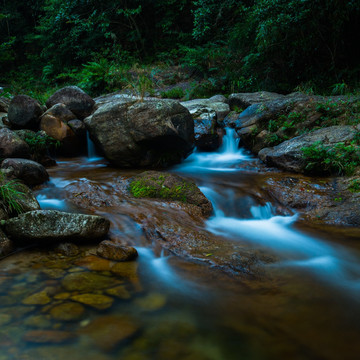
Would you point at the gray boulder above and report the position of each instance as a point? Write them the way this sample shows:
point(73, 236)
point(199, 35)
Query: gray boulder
point(289, 155)
point(24, 112)
point(48, 225)
point(75, 99)
point(141, 134)
point(11, 145)
point(30, 172)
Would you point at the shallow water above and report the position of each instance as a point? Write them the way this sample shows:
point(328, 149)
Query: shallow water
point(306, 306)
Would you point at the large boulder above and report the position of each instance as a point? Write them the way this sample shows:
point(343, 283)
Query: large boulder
point(271, 122)
point(289, 154)
point(24, 112)
point(30, 172)
point(141, 134)
point(244, 100)
point(50, 225)
point(75, 99)
point(11, 145)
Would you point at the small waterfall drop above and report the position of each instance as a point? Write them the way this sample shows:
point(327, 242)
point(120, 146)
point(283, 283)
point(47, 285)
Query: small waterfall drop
point(225, 159)
point(91, 150)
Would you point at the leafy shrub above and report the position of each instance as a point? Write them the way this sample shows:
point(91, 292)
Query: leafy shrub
point(40, 144)
point(340, 159)
point(354, 186)
point(174, 93)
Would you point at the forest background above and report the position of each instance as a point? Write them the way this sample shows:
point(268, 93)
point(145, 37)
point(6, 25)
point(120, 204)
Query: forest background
point(227, 46)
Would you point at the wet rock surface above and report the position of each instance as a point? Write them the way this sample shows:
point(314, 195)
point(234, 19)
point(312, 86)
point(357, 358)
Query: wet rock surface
point(114, 251)
point(48, 336)
point(52, 225)
point(178, 228)
point(318, 200)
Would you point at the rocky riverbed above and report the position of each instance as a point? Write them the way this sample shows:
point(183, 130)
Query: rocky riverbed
point(95, 257)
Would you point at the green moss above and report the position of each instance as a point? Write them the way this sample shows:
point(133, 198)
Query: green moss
point(174, 93)
point(354, 186)
point(154, 187)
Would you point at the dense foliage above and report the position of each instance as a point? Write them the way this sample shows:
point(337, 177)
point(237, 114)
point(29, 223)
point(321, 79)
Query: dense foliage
point(235, 45)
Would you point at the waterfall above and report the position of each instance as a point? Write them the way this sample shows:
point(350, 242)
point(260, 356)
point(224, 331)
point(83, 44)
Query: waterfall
point(225, 159)
point(91, 150)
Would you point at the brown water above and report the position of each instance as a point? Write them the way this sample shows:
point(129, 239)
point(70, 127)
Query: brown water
point(166, 307)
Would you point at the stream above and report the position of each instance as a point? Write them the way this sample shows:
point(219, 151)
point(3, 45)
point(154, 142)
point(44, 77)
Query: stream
point(305, 305)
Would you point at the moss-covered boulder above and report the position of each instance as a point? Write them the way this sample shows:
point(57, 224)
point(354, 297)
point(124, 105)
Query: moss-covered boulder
point(156, 184)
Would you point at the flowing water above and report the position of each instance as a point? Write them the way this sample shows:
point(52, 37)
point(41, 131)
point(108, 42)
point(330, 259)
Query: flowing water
point(305, 305)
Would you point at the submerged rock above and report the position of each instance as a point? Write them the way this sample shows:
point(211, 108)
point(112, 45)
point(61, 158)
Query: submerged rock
point(142, 134)
point(50, 225)
point(87, 281)
point(97, 301)
point(168, 186)
point(39, 298)
point(48, 336)
point(110, 330)
point(30, 172)
point(75, 99)
point(68, 311)
point(113, 251)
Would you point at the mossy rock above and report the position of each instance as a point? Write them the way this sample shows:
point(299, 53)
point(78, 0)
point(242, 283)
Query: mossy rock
point(162, 185)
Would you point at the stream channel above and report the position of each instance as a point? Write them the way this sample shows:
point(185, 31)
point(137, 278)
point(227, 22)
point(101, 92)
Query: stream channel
point(304, 305)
